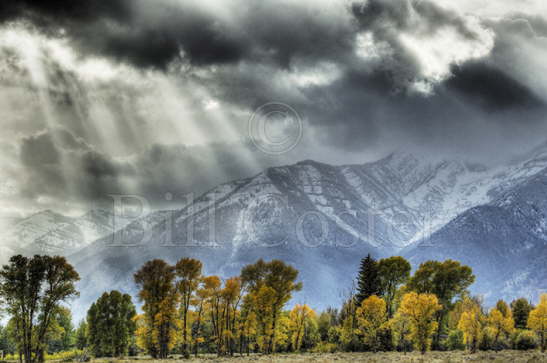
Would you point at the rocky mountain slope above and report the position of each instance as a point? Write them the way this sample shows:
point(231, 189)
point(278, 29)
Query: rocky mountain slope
point(504, 241)
point(318, 217)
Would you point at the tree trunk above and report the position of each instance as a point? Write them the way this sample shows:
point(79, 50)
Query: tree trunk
point(185, 352)
point(40, 357)
point(437, 338)
point(272, 334)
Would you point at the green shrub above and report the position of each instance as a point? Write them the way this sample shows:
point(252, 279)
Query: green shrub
point(486, 340)
point(455, 340)
point(526, 340)
point(323, 347)
point(66, 356)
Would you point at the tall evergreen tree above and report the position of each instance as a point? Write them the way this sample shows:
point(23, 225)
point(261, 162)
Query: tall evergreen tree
point(521, 309)
point(368, 280)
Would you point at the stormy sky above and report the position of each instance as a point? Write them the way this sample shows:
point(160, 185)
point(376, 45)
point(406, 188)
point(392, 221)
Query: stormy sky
point(154, 97)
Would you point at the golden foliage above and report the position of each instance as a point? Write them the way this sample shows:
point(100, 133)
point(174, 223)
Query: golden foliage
point(471, 324)
point(420, 310)
point(537, 320)
point(371, 315)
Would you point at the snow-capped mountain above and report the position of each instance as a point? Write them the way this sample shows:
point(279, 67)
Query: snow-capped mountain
point(52, 233)
point(318, 217)
point(504, 241)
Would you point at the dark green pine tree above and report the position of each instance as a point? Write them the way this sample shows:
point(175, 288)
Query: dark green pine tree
point(521, 309)
point(368, 281)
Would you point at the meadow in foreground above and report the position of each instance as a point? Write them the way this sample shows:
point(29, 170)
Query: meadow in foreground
point(511, 356)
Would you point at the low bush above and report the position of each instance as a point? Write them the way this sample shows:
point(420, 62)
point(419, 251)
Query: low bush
point(324, 347)
point(526, 339)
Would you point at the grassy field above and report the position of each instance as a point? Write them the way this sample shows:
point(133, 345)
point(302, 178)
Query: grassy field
point(431, 357)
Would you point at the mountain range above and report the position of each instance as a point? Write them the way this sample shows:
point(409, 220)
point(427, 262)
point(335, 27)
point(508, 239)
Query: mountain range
point(323, 219)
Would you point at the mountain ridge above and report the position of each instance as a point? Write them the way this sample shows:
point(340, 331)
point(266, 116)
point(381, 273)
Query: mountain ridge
point(312, 215)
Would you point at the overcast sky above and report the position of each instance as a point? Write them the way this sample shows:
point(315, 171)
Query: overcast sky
point(154, 97)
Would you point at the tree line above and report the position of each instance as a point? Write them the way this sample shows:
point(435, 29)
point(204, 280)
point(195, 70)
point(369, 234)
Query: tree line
point(188, 313)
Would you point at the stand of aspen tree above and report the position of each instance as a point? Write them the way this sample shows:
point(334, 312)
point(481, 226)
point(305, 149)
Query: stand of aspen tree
point(187, 313)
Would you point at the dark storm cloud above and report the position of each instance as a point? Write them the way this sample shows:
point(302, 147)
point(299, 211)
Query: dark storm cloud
point(154, 33)
point(64, 10)
point(385, 16)
point(484, 85)
point(245, 54)
point(127, 31)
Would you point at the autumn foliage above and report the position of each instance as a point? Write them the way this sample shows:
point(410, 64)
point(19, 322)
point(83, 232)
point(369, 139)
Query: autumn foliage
point(185, 312)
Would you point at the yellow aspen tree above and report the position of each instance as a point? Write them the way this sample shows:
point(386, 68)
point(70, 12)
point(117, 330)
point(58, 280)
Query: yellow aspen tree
point(348, 329)
point(463, 304)
point(400, 330)
point(504, 308)
point(188, 273)
point(537, 321)
point(471, 324)
point(500, 325)
point(155, 281)
point(370, 317)
point(420, 309)
point(248, 325)
point(215, 311)
point(143, 332)
point(203, 294)
point(282, 332)
point(231, 296)
point(277, 281)
point(299, 318)
point(262, 303)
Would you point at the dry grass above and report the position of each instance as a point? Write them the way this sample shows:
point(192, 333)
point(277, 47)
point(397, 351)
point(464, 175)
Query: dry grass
point(430, 357)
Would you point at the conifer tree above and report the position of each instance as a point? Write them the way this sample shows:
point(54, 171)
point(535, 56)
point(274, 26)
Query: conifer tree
point(368, 281)
point(521, 309)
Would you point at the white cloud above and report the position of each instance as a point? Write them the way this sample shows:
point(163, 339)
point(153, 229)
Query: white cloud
point(437, 52)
